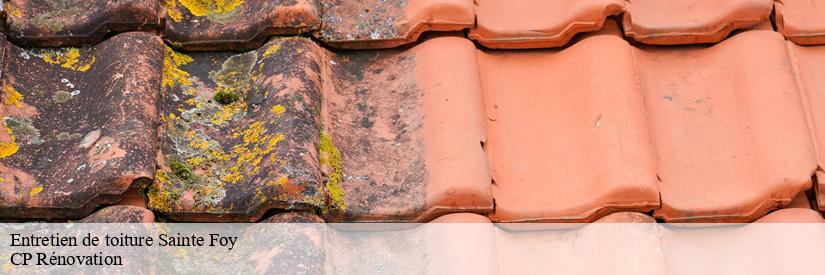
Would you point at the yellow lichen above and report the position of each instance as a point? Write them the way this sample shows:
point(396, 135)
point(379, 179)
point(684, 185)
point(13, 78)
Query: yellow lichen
point(34, 191)
point(278, 109)
point(207, 7)
point(172, 74)
point(70, 59)
point(160, 199)
point(11, 96)
point(330, 157)
point(8, 148)
point(272, 49)
point(172, 10)
point(250, 153)
point(12, 10)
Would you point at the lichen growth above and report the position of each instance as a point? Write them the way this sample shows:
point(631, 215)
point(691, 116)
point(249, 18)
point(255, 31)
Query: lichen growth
point(11, 96)
point(210, 7)
point(173, 75)
point(160, 197)
point(172, 10)
point(278, 110)
point(61, 96)
point(272, 49)
point(330, 157)
point(63, 136)
point(8, 148)
point(69, 58)
point(226, 98)
point(53, 19)
point(34, 191)
point(181, 170)
point(11, 9)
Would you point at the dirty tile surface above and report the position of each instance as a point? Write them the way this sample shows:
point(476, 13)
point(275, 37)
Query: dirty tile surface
point(50, 23)
point(79, 125)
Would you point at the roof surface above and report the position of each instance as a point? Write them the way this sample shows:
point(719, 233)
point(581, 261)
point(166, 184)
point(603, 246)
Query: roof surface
point(412, 110)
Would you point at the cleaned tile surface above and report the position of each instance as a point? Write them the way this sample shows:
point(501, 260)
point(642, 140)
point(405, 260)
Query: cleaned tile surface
point(801, 21)
point(807, 61)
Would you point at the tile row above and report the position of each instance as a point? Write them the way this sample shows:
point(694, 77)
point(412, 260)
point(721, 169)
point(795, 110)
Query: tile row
point(247, 24)
point(714, 133)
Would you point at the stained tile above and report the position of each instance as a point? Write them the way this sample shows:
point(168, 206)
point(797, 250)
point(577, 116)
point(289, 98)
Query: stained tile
point(408, 125)
point(368, 24)
point(568, 136)
point(807, 61)
point(728, 128)
point(235, 24)
point(120, 214)
point(538, 23)
point(801, 21)
point(239, 133)
point(691, 21)
point(79, 125)
point(48, 23)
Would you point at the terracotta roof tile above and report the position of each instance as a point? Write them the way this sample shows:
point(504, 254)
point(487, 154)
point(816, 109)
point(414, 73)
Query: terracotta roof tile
point(239, 132)
point(801, 21)
point(568, 134)
point(409, 125)
point(691, 21)
point(79, 125)
point(120, 214)
point(727, 127)
point(389, 23)
point(45, 23)
point(538, 23)
point(807, 61)
point(236, 25)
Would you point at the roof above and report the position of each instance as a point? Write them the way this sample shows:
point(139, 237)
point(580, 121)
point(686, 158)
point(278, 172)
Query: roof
point(411, 110)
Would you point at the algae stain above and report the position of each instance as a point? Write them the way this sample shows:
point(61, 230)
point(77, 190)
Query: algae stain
point(173, 75)
point(330, 160)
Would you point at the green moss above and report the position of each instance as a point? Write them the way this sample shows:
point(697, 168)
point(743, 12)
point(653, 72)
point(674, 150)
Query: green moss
point(181, 170)
point(330, 157)
point(226, 98)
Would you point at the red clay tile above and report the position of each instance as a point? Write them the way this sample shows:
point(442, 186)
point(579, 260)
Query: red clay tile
point(409, 127)
point(48, 23)
point(792, 215)
point(807, 61)
point(728, 127)
point(801, 21)
point(235, 24)
point(79, 125)
point(369, 24)
point(538, 23)
point(568, 136)
point(691, 21)
point(239, 133)
point(120, 214)
point(294, 217)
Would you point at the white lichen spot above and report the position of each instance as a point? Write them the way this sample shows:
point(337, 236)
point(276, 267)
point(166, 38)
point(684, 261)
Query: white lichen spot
point(70, 181)
point(81, 167)
point(90, 139)
point(75, 92)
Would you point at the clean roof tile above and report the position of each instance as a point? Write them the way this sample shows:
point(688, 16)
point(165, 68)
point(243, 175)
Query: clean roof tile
point(48, 23)
point(79, 125)
point(538, 23)
point(235, 24)
point(389, 23)
point(568, 135)
point(801, 21)
point(239, 133)
point(409, 127)
point(728, 128)
point(691, 21)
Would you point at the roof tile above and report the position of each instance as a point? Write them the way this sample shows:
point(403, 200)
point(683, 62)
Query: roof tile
point(239, 133)
point(236, 25)
point(568, 133)
point(728, 128)
point(120, 214)
point(79, 125)
point(389, 23)
point(691, 21)
point(409, 125)
point(47, 23)
point(801, 21)
point(538, 23)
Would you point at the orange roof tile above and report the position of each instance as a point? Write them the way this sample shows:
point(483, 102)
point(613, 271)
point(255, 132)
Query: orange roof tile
point(568, 136)
point(727, 126)
point(691, 21)
point(801, 21)
point(538, 23)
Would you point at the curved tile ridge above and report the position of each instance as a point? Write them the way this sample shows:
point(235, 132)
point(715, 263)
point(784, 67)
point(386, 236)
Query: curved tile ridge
point(239, 133)
point(801, 21)
point(120, 214)
point(568, 137)
point(526, 24)
point(51, 23)
point(807, 61)
point(79, 125)
point(235, 25)
point(409, 127)
point(728, 127)
point(370, 24)
point(691, 21)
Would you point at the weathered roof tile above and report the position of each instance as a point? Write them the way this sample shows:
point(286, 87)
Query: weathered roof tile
point(120, 214)
point(79, 125)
